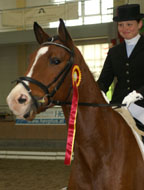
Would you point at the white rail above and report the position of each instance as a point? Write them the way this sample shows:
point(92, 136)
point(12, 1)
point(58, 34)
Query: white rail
point(6, 154)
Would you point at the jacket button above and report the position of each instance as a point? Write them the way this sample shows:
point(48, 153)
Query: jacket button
point(127, 64)
point(127, 72)
point(128, 81)
point(128, 88)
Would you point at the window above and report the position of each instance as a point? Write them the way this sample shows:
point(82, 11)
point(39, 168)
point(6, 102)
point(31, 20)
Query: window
point(94, 56)
point(90, 12)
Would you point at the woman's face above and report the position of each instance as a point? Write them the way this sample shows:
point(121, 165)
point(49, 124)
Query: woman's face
point(129, 29)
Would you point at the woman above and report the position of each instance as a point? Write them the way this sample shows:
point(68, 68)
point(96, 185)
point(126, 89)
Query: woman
point(125, 61)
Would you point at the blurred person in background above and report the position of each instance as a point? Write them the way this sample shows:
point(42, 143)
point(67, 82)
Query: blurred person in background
point(125, 63)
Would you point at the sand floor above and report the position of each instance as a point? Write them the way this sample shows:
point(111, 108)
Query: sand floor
point(33, 175)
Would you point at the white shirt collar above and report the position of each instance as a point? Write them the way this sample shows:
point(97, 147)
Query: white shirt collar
point(133, 41)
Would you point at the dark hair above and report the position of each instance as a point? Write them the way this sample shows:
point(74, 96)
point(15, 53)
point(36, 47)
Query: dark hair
point(138, 20)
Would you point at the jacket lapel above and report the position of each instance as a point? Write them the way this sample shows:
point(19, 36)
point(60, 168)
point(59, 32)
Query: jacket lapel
point(122, 50)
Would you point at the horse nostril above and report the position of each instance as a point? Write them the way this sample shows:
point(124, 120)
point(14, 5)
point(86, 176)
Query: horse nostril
point(22, 99)
point(26, 115)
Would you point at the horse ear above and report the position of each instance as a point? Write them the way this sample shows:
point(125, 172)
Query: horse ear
point(40, 35)
point(64, 34)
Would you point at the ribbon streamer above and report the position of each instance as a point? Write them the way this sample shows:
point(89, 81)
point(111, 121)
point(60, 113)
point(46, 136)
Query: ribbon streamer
point(76, 78)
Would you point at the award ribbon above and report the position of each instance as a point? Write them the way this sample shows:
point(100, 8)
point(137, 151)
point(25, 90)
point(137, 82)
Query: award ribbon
point(76, 78)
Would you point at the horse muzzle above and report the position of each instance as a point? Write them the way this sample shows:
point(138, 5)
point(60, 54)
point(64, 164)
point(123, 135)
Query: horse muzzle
point(20, 103)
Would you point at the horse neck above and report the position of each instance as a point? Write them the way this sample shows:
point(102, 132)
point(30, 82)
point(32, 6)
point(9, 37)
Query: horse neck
point(88, 128)
point(88, 90)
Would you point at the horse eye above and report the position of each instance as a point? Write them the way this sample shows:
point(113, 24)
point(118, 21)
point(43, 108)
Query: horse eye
point(55, 61)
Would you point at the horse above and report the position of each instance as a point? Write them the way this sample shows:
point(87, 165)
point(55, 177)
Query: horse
point(106, 153)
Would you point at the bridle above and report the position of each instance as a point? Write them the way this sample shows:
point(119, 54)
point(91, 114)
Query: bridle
point(45, 88)
point(63, 73)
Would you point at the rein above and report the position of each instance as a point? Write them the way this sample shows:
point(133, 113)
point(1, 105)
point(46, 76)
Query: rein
point(60, 103)
point(63, 75)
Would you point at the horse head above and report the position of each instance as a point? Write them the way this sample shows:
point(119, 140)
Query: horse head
point(49, 67)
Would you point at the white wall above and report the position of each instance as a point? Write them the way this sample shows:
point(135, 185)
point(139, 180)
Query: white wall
point(7, 4)
point(11, 4)
point(31, 3)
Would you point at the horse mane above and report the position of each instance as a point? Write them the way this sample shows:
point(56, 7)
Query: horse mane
point(87, 76)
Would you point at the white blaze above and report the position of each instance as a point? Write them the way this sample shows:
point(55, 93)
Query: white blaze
point(41, 52)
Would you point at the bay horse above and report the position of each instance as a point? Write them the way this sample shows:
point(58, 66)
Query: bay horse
point(106, 154)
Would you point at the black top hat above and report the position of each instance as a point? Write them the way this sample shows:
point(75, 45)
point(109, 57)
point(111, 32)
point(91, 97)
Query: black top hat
point(128, 12)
